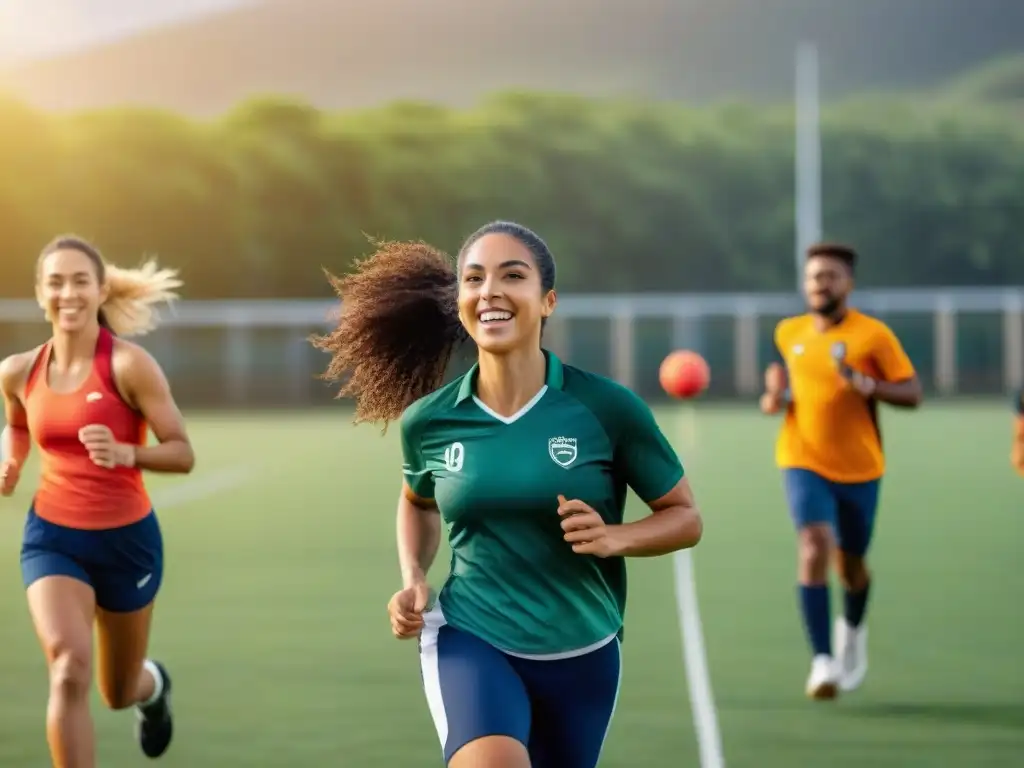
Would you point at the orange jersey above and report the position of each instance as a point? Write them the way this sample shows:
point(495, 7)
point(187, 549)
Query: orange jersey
point(73, 491)
point(829, 428)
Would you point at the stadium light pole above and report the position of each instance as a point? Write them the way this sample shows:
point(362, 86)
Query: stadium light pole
point(807, 153)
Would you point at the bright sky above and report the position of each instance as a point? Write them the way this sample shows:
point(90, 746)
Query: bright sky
point(40, 28)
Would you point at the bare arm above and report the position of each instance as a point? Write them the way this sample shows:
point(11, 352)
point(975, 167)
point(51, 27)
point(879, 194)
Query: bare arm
point(776, 389)
point(907, 393)
point(15, 441)
point(418, 530)
point(674, 523)
point(145, 387)
point(898, 385)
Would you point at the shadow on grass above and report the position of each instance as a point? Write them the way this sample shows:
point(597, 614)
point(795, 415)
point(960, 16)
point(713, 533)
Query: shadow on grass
point(975, 713)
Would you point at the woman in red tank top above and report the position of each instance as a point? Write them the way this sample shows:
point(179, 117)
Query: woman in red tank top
point(92, 552)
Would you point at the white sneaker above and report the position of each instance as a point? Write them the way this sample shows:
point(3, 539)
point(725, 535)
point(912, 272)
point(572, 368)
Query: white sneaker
point(852, 658)
point(823, 682)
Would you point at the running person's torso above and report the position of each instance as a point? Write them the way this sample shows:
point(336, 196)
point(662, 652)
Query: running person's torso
point(829, 428)
point(73, 491)
point(514, 582)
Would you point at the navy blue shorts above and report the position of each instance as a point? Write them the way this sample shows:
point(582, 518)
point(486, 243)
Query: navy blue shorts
point(560, 709)
point(848, 507)
point(124, 566)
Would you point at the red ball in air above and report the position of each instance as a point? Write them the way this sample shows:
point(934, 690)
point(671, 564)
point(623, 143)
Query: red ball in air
point(684, 374)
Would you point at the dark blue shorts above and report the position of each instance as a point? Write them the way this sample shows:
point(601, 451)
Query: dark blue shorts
point(124, 566)
point(848, 507)
point(560, 709)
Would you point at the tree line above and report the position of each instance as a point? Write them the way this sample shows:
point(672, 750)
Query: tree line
point(631, 195)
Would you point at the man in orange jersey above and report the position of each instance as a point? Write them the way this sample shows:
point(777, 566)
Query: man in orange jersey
point(839, 365)
point(1017, 451)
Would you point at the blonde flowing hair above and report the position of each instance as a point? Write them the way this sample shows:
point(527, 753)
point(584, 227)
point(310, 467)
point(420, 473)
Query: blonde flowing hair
point(132, 294)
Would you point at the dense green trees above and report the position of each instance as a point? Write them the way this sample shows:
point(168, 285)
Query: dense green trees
point(631, 195)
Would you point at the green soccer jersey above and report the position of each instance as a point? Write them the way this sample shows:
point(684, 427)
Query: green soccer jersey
point(514, 581)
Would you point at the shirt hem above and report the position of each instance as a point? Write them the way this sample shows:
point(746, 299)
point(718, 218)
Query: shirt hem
point(534, 655)
point(833, 476)
point(92, 522)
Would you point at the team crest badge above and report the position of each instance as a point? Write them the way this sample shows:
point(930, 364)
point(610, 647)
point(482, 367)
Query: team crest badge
point(839, 351)
point(562, 450)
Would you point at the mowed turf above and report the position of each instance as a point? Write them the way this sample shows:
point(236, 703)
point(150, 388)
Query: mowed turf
point(272, 617)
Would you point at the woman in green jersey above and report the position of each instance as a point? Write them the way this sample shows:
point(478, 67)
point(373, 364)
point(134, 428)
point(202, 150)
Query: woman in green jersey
point(527, 460)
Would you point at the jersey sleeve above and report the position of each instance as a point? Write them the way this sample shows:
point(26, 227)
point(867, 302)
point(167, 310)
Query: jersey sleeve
point(643, 455)
point(890, 357)
point(414, 466)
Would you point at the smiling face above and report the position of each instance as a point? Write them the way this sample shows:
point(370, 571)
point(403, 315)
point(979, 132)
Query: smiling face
point(70, 289)
point(502, 299)
point(827, 283)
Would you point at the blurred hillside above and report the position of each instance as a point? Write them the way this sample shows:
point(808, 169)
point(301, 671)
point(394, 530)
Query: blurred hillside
point(344, 55)
point(999, 82)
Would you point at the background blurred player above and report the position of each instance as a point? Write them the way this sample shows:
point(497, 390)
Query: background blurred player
point(528, 461)
point(92, 550)
point(1017, 451)
point(839, 364)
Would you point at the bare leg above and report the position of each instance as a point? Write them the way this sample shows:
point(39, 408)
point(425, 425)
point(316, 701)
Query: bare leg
point(62, 611)
point(491, 752)
point(123, 640)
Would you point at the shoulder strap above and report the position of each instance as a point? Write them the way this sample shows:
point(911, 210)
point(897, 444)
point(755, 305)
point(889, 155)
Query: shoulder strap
point(39, 364)
point(103, 359)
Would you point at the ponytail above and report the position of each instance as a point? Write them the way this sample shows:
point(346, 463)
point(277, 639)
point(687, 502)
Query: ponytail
point(397, 329)
point(130, 308)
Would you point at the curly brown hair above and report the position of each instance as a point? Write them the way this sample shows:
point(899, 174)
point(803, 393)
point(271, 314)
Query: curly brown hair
point(399, 321)
point(397, 328)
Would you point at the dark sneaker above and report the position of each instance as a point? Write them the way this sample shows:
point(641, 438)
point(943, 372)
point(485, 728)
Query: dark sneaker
point(155, 726)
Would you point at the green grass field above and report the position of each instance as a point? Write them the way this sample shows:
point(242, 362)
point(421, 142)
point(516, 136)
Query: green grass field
point(272, 617)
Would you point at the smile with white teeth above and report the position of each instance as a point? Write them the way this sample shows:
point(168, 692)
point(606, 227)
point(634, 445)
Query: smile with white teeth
point(495, 316)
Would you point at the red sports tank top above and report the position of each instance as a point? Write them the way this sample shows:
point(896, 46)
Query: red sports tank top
point(73, 491)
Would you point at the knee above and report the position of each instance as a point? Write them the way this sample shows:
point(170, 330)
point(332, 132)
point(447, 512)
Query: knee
point(70, 671)
point(815, 544)
point(120, 692)
point(853, 573)
point(117, 696)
